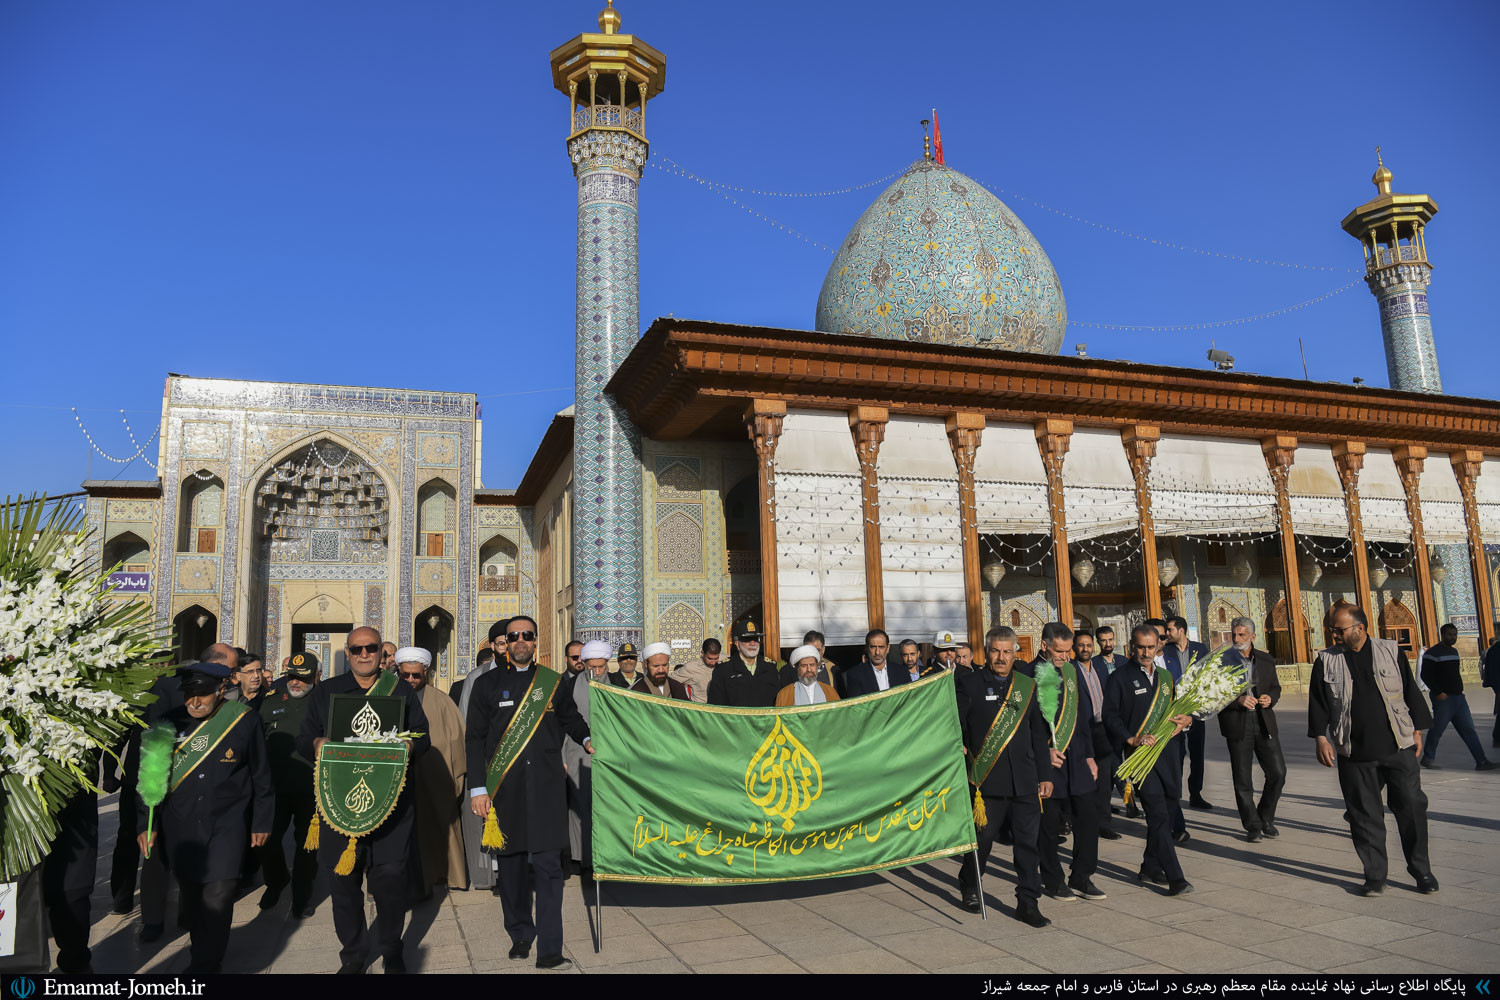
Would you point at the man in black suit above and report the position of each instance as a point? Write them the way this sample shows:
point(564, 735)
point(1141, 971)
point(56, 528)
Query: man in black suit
point(1180, 653)
point(531, 805)
point(1093, 677)
point(216, 812)
point(1249, 726)
point(1074, 772)
point(1127, 704)
point(749, 678)
point(1105, 658)
point(1015, 783)
point(874, 673)
point(385, 858)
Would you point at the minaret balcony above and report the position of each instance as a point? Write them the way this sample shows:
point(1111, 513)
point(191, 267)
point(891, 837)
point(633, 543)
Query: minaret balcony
point(1387, 256)
point(610, 116)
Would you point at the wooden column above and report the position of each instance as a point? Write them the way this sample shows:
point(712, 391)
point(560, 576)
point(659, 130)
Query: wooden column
point(1052, 438)
point(1140, 448)
point(1281, 452)
point(1349, 456)
point(867, 424)
point(1409, 462)
point(1466, 466)
point(763, 420)
point(964, 431)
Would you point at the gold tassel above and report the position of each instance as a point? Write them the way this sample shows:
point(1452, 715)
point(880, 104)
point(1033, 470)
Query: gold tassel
point(1129, 795)
point(346, 860)
point(310, 842)
point(980, 819)
point(492, 835)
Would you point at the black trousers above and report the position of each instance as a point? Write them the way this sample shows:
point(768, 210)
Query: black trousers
point(1105, 790)
point(154, 887)
point(1024, 816)
point(208, 911)
point(127, 853)
point(1197, 749)
point(520, 875)
point(1084, 811)
point(68, 912)
point(387, 886)
point(1159, 795)
point(1267, 750)
point(1401, 778)
point(294, 809)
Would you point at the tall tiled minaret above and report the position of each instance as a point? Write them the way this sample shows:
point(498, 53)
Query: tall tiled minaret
point(609, 78)
point(1393, 231)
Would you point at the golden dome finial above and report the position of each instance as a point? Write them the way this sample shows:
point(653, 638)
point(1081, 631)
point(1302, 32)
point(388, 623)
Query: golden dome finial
point(1382, 178)
point(609, 18)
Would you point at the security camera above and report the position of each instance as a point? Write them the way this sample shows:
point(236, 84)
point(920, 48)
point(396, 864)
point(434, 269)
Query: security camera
point(1222, 360)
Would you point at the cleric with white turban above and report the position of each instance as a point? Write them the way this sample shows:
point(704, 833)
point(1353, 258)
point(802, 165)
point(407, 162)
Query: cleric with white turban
point(658, 657)
point(414, 654)
point(806, 689)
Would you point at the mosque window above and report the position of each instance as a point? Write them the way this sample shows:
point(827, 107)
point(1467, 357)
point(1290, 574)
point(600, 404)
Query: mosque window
point(436, 507)
point(497, 566)
point(201, 513)
point(129, 551)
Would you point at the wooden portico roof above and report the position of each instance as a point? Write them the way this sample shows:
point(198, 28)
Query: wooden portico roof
point(692, 379)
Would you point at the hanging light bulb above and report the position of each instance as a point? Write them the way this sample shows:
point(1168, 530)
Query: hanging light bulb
point(1312, 570)
point(992, 572)
point(1166, 570)
point(1438, 571)
point(1083, 571)
point(1241, 570)
point(432, 621)
point(1378, 575)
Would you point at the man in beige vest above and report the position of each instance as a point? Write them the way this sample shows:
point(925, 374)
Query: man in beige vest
point(1367, 716)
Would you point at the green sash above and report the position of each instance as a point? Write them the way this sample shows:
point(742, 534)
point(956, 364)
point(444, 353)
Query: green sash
point(1066, 722)
point(522, 725)
point(384, 684)
point(201, 742)
point(1161, 701)
point(1017, 703)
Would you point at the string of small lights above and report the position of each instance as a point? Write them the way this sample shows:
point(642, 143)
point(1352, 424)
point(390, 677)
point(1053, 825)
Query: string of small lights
point(140, 449)
point(680, 170)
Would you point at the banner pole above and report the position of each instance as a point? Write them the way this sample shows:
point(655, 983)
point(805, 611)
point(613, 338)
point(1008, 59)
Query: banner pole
point(979, 878)
point(599, 914)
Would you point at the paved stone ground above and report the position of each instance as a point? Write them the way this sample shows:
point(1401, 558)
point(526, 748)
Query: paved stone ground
point(1284, 905)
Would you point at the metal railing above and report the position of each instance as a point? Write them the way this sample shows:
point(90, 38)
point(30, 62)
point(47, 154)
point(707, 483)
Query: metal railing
point(609, 116)
point(1386, 256)
point(499, 584)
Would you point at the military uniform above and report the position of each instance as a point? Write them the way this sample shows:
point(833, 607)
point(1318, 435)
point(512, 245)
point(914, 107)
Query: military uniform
point(530, 805)
point(1010, 789)
point(292, 778)
point(204, 826)
point(387, 858)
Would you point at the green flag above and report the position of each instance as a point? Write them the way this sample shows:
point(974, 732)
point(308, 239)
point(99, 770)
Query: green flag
point(707, 795)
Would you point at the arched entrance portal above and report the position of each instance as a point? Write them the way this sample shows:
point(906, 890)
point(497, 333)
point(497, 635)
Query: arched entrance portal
point(319, 559)
point(193, 631)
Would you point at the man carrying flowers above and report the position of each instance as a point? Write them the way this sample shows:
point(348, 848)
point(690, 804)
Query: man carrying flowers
point(1136, 702)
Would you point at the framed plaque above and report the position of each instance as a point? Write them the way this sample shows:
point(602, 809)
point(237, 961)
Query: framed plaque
point(363, 717)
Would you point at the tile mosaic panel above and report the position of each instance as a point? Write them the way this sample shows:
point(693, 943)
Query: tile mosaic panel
point(205, 439)
point(437, 450)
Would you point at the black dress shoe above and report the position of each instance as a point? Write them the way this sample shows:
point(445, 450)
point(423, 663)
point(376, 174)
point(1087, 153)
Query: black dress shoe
point(1270, 832)
point(395, 965)
point(122, 906)
point(1028, 913)
point(1427, 884)
point(971, 901)
point(1253, 836)
point(302, 911)
point(1062, 893)
point(271, 896)
point(1181, 837)
point(1155, 878)
point(1199, 802)
point(151, 932)
point(520, 949)
point(553, 962)
point(1108, 835)
point(1132, 811)
point(1179, 887)
point(1089, 890)
point(1371, 888)
point(352, 969)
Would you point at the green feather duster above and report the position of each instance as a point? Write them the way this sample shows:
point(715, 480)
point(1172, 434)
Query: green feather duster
point(1048, 690)
point(155, 766)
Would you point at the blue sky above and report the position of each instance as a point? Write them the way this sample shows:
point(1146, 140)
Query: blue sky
point(370, 192)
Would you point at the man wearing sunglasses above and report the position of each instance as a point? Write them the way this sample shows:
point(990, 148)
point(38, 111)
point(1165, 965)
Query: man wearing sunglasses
point(383, 858)
point(1367, 716)
point(530, 806)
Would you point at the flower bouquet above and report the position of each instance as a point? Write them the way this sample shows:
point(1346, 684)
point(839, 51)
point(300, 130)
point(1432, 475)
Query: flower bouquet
point(1207, 686)
point(74, 670)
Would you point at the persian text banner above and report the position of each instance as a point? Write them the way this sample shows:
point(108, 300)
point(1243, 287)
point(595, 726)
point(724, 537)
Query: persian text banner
point(700, 794)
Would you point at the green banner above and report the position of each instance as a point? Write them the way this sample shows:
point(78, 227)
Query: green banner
point(708, 795)
point(358, 784)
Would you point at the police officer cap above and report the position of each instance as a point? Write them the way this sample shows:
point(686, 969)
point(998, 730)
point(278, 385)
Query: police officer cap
point(218, 671)
point(499, 629)
point(749, 630)
point(628, 652)
point(303, 666)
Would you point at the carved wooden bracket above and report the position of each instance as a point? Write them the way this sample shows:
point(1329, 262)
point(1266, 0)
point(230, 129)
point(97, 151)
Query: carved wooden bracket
point(1467, 464)
point(1409, 462)
point(1140, 442)
point(1280, 451)
point(1349, 456)
point(1053, 436)
point(964, 433)
point(867, 425)
point(763, 420)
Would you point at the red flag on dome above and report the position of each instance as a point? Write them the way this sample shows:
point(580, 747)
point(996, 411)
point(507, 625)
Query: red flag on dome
point(937, 138)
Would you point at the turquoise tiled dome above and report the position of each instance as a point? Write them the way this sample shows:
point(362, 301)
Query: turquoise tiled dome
point(938, 259)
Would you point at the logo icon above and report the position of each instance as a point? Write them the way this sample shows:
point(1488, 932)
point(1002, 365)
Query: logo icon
point(360, 797)
point(783, 777)
point(365, 722)
point(22, 987)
